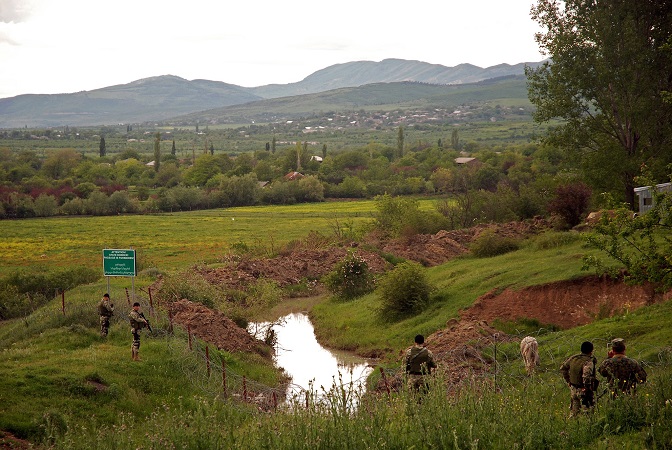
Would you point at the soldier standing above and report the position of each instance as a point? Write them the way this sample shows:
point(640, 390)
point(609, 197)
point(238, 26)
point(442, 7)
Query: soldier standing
point(105, 310)
point(138, 322)
point(419, 361)
point(579, 373)
point(622, 373)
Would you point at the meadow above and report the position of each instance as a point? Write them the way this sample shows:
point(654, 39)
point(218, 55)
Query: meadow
point(172, 241)
point(62, 386)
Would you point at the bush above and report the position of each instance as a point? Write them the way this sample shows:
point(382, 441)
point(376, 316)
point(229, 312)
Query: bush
point(397, 216)
point(571, 203)
point(489, 244)
point(404, 291)
point(350, 278)
point(26, 290)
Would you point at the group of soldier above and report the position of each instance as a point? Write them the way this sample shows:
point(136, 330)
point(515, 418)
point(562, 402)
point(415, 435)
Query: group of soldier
point(135, 317)
point(622, 374)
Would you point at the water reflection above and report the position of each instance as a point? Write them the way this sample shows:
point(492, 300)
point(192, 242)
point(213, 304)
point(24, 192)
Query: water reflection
point(306, 361)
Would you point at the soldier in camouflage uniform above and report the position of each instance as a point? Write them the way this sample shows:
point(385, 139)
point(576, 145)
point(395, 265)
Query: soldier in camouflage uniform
point(105, 310)
point(138, 322)
point(419, 362)
point(622, 373)
point(579, 373)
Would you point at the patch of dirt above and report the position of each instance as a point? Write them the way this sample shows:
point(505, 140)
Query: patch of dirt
point(435, 249)
point(288, 269)
point(8, 440)
point(215, 328)
point(565, 304)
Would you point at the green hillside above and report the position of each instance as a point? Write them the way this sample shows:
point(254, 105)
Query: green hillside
point(372, 97)
point(62, 386)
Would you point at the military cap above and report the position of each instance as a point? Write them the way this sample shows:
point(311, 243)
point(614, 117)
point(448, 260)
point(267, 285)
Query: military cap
point(618, 345)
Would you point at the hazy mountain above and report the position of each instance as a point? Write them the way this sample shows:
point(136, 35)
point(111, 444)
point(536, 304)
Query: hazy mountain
point(143, 100)
point(163, 97)
point(375, 96)
point(359, 73)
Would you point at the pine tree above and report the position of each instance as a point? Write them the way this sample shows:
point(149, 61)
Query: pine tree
point(157, 151)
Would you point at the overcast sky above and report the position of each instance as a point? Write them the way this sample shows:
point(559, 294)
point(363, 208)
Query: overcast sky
point(63, 46)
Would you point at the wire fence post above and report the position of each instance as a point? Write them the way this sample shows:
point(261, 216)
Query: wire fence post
point(387, 386)
point(244, 388)
point(495, 358)
point(128, 298)
point(63, 302)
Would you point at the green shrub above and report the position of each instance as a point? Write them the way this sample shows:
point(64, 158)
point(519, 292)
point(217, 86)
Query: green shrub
point(190, 286)
point(350, 278)
point(398, 216)
point(490, 244)
point(554, 239)
point(26, 290)
point(404, 291)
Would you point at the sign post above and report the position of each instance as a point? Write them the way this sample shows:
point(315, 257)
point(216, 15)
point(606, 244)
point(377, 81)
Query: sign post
point(119, 263)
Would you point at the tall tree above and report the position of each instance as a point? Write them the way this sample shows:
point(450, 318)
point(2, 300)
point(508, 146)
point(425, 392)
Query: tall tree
point(454, 140)
point(605, 80)
point(299, 151)
point(400, 142)
point(102, 146)
point(273, 142)
point(157, 151)
point(173, 150)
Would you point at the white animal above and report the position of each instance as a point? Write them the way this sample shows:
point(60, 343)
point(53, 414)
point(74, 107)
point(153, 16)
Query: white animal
point(529, 350)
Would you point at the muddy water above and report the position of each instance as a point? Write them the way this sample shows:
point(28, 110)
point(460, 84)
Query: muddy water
point(310, 365)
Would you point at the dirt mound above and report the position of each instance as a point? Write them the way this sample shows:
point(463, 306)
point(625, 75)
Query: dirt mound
point(565, 304)
point(215, 328)
point(288, 269)
point(436, 249)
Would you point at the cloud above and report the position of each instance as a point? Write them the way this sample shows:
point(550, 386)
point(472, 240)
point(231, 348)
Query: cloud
point(15, 10)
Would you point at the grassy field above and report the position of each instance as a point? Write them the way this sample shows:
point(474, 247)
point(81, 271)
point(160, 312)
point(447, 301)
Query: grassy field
point(53, 363)
point(171, 241)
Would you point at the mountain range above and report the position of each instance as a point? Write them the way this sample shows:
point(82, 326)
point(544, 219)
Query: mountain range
point(165, 97)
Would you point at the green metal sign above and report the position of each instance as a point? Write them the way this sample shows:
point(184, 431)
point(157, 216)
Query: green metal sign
point(119, 263)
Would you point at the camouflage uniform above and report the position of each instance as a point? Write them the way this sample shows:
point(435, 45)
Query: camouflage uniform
point(579, 372)
point(137, 324)
point(622, 373)
point(419, 361)
point(106, 310)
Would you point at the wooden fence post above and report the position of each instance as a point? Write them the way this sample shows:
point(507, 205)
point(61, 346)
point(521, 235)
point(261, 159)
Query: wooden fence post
point(128, 298)
point(63, 301)
point(244, 389)
point(387, 386)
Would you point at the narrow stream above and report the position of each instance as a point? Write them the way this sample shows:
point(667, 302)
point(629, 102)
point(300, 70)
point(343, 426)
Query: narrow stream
point(306, 361)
